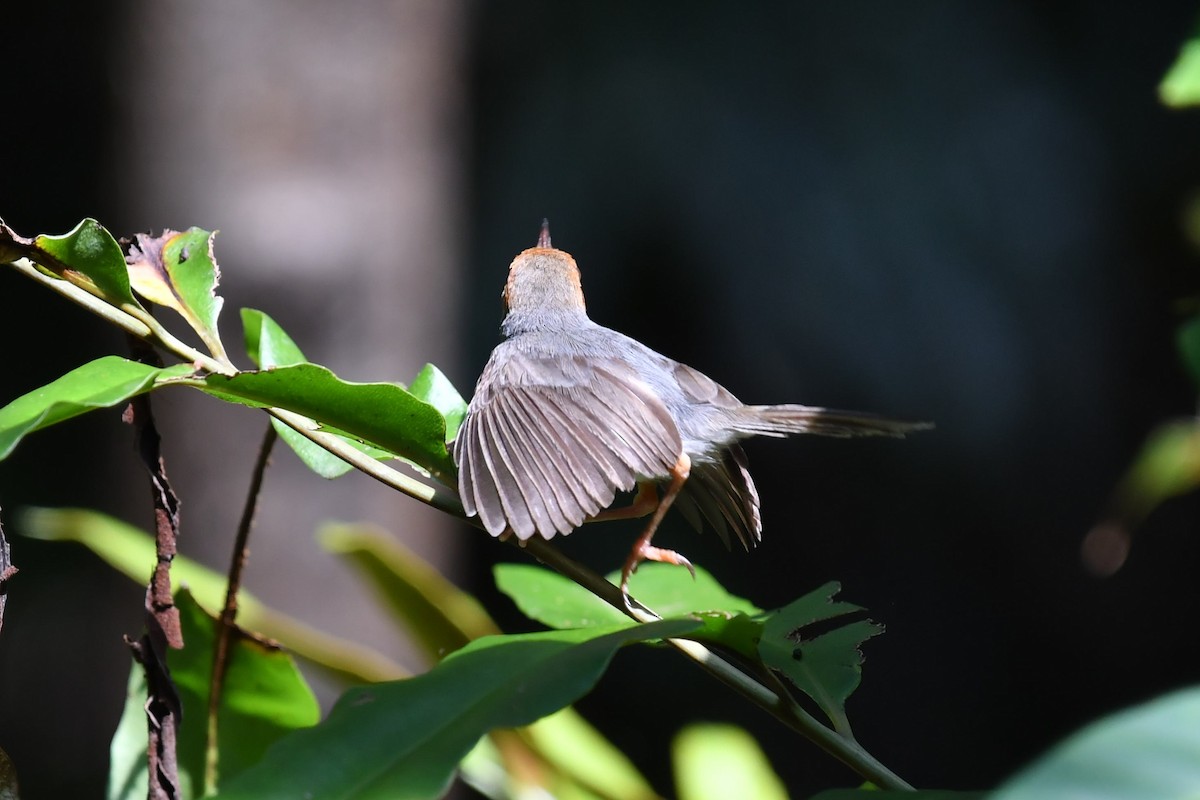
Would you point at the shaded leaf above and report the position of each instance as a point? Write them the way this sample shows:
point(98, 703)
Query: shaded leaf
point(88, 256)
point(434, 388)
point(264, 697)
point(404, 739)
point(824, 663)
point(440, 616)
point(131, 551)
point(1167, 465)
point(1187, 340)
point(717, 762)
point(101, 383)
point(381, 414)
point(178, 270)
point(443, 618)
point(1151, 750)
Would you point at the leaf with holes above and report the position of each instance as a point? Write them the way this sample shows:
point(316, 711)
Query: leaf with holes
point(818, 653)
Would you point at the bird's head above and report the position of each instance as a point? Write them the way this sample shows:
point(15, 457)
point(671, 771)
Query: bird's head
point(543, 281)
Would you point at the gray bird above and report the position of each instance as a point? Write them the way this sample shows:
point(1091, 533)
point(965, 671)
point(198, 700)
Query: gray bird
point(567, 413)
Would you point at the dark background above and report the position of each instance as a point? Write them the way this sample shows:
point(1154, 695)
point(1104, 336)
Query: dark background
point(966, 213)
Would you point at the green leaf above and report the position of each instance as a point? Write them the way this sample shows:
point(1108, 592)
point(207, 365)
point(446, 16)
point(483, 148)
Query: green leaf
point(827, 666)
point(1151, 750)
point(93, 252)
point(404, 739)
point(127, 777)
point(1188, 342)
point(268, 345)
point(583, 755)
point(132, 552)
point(381, 414)
point(1180, 87)
point(440, 616)
point(558, 602)
point(101, 383)
point(264, 697)
point(879, 794)
point(1167, 465)
point(434, 388)
point(555, 601)
point(178, 270)
point(717, 762)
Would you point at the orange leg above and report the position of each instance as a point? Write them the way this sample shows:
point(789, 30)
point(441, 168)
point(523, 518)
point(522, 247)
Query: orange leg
point(643, 503)
point(642, 549)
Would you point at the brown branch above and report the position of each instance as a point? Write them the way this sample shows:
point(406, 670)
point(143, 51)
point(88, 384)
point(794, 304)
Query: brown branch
point(7, 570)
point(163, 709)
point(225, 625)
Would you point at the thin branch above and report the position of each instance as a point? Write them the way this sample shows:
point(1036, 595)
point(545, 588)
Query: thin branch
point(226, 623)
point(162, 630)
point(780, 706)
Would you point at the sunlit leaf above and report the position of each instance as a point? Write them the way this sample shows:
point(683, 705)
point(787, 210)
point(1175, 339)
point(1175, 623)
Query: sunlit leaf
point(820, 657)
point(405, 738)
point(264, 697)
point(879, 794)
point(132, 552)
point(717, 762)
point(381, 414)
point(101, 383)
point(1149, 751)
point(178, 270)
point(434, 388)
point(268, 345)
point(553, 600)
point(92, 252)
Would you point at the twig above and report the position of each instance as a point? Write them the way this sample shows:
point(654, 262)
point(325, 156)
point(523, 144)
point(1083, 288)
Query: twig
point(162, 618)
point(226, 622)
point(779, 704)
point(7, 570)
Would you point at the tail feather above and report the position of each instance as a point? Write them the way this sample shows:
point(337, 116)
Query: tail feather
point(782, 420)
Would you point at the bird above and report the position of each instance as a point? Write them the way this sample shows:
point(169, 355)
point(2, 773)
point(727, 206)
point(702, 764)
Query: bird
point(568, 413)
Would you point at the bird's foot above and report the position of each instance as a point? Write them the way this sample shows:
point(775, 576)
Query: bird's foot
point(648, 552)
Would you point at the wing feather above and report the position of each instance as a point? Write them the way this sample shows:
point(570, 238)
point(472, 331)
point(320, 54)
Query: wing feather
point(549, 442)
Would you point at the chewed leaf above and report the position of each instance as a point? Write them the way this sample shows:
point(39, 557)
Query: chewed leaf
point(819, 656)
point(88, 256)
point(177, 270)
point(97, 384)
point(435, 388)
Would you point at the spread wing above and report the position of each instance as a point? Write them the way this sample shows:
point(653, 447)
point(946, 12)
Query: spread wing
point(548, 442)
